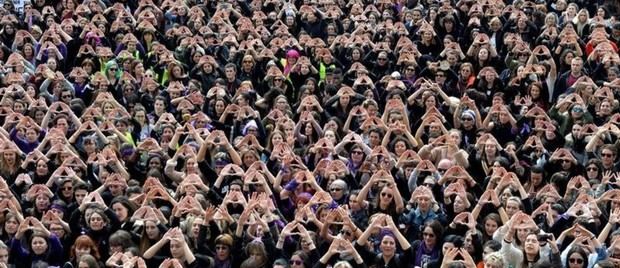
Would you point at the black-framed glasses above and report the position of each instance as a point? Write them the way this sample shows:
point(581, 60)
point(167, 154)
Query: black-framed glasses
point(113, 69)
point(592, 169)
point(335, 189)
point(467, 119)
point(386, 194)
point(357, 152)
point(296, 262)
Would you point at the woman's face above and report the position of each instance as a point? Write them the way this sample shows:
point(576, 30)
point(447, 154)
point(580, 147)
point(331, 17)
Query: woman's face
point(11, 225)
point(399, 148)
point(42, 202)
point(296, 262)
point(387, 196)
point(430, 102)
point(591, 172)
point(388, 245)
point(96, 222)
point(220, 107)
point(41, 168)
point(176, 249)
point(490, 226)
point(39, 245)
point(155, 163)
point(531, 245)
point(79, 252)
point(575, 260)
point(429, 237)
point(152, 232)
point(535, 92)
point(276, 139)
point(120, 211)
point(222, 252)
point(459, 205)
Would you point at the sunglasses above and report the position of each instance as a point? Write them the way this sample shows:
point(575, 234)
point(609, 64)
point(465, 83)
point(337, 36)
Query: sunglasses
point(607, 155)
point(344, 232)
point(296, 262)
point(381, 58)
point(386, 194)
point(113, 69)
point(67, 188)
point(467, 119)
point(335, 189)
point(565, 161)
point(277, 79)
point(592, 169)
point(575, 260)
point(357, 152)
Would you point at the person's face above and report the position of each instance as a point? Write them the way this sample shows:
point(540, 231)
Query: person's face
point(375, 139)
point(430, 102)
point(575, 260)
point(222, 252)
point(531, 245)
point(386, 195)
point(120, 211)
point(96, 222)
point(424, 203)
point(459, 205)
point(4, 256)
point(605, 108)
point(10, 226)
point(296, 262)
point(490, 226)
point(152, 232)
point(591, 172)
point(511, 207)
point(176, 249)
point(608, 157)
point(400, 147)
point(39, 245)
point(535, 92)
point(196, 226)
point(536, 179)
point(31, 135)
point(276, 139)
point(81, 251)
point(79, 195)
point(388, 245)
point(159, 106)
point(490, 148)
point(42, 202)
point(230, 73)
point(57, 229)
point(429, 237)
point(576, 66)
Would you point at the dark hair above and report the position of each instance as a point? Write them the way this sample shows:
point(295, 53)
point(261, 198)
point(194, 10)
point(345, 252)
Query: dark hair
point(493, 244)
point(456, 240)
point(579, 250)
point(124, 201)
point(437, 230)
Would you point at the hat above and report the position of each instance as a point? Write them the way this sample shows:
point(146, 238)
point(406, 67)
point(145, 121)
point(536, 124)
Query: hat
point(469, 113)
point(292, 54)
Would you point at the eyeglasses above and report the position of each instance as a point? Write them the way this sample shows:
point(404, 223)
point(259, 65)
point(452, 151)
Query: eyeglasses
point(67, 188)
point(357, 152)
point(467, 119)
point(607, 155)
point(410, 69)
point(277, 79)
point(428, 234)
point(66, 96)
point(575, 260)
point(386, 194)
point(335, 189)
point(592, 169)
point(345, 232)
point(296, 262)
point(113, 69)
point(565, 161)
point(441, 170)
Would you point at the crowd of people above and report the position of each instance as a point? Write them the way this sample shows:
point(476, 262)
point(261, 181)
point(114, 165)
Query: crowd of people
point(310, 133)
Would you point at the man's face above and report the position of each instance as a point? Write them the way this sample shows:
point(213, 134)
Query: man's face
point(576, 65)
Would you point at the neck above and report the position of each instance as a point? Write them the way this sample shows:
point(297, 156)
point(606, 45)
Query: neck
point(530, 256)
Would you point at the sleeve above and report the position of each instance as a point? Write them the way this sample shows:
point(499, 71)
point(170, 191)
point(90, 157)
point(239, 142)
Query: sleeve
point(512, 256)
